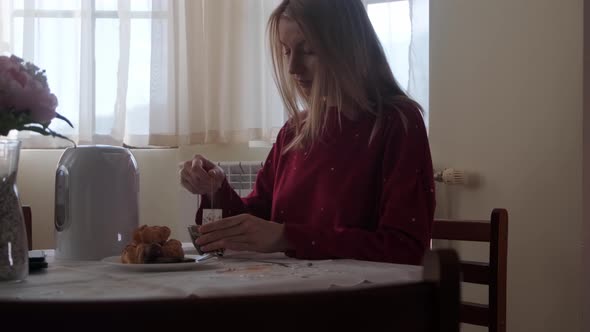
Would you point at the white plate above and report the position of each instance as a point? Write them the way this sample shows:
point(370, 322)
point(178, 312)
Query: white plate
point(116, 261)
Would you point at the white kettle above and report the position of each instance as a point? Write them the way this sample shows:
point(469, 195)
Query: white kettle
point(96, 202)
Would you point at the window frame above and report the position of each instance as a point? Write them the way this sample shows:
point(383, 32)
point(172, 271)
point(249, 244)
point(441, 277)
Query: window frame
point(29, 12)
point(372, 2)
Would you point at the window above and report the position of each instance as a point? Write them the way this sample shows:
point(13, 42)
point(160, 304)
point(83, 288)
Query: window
point(165, 72)
point(403, 28)
point(391, 21)
point(78, 44)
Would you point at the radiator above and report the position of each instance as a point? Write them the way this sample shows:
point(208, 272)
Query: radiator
point(241, 175)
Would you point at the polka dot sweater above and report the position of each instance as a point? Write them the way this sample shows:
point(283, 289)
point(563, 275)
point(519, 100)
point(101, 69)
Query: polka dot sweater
point(350, 195)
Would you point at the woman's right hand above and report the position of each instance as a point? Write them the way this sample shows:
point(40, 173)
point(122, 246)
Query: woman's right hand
point(201, 176)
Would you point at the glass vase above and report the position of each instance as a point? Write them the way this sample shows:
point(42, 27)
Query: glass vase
point(14, 251)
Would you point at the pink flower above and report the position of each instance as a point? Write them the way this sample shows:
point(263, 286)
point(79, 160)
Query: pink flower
point(7, 63)
point(21, 92)
point(26, 103)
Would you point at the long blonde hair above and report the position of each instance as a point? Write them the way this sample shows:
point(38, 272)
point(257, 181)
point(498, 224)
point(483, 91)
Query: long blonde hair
point(352, 66)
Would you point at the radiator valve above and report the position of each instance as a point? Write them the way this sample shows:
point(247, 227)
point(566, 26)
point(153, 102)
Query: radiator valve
point(450, 176)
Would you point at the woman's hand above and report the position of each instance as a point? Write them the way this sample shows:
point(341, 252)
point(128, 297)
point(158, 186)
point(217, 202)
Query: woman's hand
point(243, 233)
point(201, 176)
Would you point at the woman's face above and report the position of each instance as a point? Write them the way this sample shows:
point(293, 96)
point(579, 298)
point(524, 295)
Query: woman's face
point(297, 52)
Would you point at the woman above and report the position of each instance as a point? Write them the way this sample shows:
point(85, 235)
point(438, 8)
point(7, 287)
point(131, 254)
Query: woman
point(352, 176)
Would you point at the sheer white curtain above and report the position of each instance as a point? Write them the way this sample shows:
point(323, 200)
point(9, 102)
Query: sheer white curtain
point(4, 28)
point(419, 54)
point(403, 29)
point(226, 89)
point(150, 72)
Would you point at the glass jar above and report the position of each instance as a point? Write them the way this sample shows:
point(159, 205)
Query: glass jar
point(14, 251)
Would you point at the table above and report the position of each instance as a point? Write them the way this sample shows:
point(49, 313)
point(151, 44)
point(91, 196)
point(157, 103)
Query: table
point(235, 274)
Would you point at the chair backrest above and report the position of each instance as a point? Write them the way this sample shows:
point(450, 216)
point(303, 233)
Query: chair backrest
point(28, 225)
point(429, 305)
point(493, 274)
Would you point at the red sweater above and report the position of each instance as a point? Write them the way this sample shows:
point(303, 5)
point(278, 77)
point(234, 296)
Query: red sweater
point(344, 197)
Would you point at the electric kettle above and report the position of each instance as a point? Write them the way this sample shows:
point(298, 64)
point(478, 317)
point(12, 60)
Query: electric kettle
point(96, 202)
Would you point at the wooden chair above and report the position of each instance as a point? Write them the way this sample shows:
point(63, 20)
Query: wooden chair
point(29, 225)
point(493, 274)
point(431, 304)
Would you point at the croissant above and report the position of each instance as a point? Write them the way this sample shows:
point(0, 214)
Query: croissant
point(151, 243)
point(137, 234)
point(172, 249)
point(149, 253)
point(153, 234)
point(141, 253)
point(129, 255)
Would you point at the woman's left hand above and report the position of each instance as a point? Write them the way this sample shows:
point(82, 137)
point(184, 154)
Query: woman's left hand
point(244, 232)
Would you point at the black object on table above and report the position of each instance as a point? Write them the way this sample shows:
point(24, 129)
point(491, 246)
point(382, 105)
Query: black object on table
point(37, 260)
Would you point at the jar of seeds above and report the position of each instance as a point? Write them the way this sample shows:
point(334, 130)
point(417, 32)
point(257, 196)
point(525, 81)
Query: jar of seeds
point(14, 254)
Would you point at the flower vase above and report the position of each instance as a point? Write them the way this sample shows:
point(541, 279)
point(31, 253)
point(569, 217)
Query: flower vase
point(14, 254)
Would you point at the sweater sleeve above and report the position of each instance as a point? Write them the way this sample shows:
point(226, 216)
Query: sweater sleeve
point(405, 209)
point(259, 202)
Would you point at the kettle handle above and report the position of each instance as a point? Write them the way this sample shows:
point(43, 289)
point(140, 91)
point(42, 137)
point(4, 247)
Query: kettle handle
point(62, 201)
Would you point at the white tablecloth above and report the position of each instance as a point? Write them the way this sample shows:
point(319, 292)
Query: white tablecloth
point(234, 274)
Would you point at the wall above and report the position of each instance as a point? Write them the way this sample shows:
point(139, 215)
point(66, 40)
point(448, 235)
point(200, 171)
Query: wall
point(162, 199)
point(586, 183)
point(506, 103)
